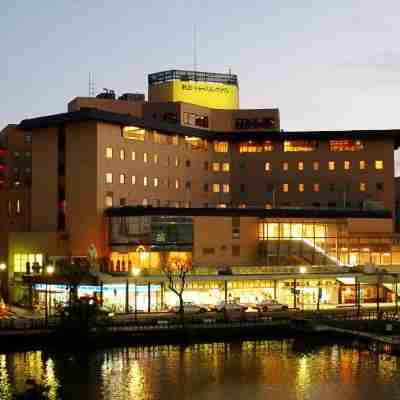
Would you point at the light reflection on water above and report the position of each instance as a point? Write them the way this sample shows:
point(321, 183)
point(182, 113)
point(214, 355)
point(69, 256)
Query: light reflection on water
point(279, 370)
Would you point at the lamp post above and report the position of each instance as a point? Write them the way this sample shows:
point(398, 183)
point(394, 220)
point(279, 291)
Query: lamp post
point(135, 272)
point(49, 272)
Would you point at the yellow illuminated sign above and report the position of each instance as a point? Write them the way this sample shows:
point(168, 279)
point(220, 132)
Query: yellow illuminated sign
point(206, 94)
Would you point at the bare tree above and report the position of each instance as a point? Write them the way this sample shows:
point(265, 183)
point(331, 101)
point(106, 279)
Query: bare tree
point(175, 271)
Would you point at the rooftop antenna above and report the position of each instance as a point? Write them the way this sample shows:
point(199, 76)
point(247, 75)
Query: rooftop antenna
point(194, 48)
point(91, 85)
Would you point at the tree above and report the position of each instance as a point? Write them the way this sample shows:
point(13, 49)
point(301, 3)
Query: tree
point(175, 271)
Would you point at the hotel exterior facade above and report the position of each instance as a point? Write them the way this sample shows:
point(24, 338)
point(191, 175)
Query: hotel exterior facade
point(190, 175)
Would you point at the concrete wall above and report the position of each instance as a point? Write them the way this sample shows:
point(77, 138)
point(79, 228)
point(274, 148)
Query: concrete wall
point(216, 233)
point(84, 221)
point(44, 179)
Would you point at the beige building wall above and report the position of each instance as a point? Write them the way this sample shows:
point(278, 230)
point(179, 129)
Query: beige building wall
point(335, 187)
point(84, 215)
point(214, 244)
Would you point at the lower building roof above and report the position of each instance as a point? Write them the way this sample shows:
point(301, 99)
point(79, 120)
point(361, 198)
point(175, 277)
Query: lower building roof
point(127, 211)
point(92, 114)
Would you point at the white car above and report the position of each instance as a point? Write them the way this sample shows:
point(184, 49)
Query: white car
point(271, 305)
point(229, 306)
point(189, 308)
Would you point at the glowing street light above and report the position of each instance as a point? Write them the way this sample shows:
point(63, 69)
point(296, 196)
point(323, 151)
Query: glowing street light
point(49, 271)
point(3, 266)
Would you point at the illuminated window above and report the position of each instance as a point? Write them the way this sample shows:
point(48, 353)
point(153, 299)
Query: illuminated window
point(226, 167)
point(267, 166)
point(176, 161)
point(316, 187)
point(363, 164)
point(221, 205)
point(122, 178)
point(242, 205)
point(18, 207)
point(175, 140)
point(363, 186)
point(155, 182)
point(215, 166)
point(133, 156)
point(145, 181)
point(133, 180)
point(221, 147)
point(346, 165)
point(226, 188)
point(122, 154)
point(256, 147)
point(109, 199)
point(155, 158)
point(21, 260)
point(285, 166)
point(176, 183)
point(268, 206)
point(300, 165)
point(299, 145)
point(145, 202)
point(301, 187)
point(109, 177)
point(331, 165)
point(216, 187)
point(316, 165)
point(145, 158)
point(346, 145)
point(285, 187)
point(109, 152)
point(133, 133)
point(378, 164)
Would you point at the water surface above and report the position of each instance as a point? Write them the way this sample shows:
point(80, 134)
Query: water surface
point(270, 369)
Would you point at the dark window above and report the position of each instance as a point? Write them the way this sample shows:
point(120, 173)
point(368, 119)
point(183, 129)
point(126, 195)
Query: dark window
point(188, 163)
point(206, 165)
point(209, 250)
point(188, 185)
point(235, 228)
point(348, 204)
point(270, 187)
point(242, 165)
point(332, 204)
point(205, 187)
point(332, 187)
point(28, 138)
point(242, 187)
point(236, 251)
point(205, 205)
point(122, 201)
point(379, 186)
point(316, 204)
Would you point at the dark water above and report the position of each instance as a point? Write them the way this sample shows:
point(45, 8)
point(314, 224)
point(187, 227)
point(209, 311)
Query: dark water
point(247, 370)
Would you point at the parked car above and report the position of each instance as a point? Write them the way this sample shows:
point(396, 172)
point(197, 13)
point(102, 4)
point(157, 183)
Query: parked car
point(270, 305)
point(229, 306)
point(189, 308)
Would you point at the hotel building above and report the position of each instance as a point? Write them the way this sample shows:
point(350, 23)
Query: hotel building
point(189, 175)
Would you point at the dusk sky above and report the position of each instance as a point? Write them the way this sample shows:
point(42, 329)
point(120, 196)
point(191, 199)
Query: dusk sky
point(324, 64)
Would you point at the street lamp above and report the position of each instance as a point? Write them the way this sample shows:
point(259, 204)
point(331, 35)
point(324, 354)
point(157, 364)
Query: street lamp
point(49, 271)
point(135, 271)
